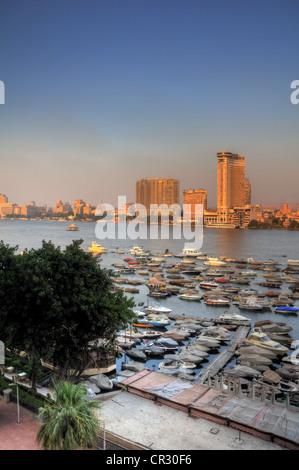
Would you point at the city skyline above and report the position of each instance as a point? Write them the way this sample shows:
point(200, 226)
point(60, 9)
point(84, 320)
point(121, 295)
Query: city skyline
point(99, 95)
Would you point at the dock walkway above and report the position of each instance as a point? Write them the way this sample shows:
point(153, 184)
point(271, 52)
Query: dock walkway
point(224, 356)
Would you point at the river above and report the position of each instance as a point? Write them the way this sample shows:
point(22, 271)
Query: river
point(261, 245)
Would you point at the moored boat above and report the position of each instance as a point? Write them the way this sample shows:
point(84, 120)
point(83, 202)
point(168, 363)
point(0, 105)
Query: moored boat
point(97, 248)
point(259, 338)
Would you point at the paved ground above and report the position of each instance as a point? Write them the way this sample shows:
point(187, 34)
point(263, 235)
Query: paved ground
point(14, 436)
point(164, 428)
point(139, 420)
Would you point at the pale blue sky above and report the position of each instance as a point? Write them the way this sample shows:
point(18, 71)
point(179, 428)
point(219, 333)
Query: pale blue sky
point(102, 93)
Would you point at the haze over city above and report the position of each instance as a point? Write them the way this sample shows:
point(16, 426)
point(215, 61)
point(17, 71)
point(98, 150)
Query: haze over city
point(101, 94)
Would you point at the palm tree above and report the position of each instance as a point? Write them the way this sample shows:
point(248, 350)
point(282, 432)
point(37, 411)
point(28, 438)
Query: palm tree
point(69, 421)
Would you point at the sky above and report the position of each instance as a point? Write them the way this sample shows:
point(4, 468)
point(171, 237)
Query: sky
point(102, 93)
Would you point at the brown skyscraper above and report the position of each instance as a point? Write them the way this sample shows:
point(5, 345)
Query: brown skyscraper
point(157, 191)
point(231, 180)
point(247, 192)
point(195, 196)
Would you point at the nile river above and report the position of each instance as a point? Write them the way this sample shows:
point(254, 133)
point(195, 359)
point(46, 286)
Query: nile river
point(261, 245)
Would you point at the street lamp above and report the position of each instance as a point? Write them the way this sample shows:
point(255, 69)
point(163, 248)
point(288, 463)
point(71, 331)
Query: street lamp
point(18, 401)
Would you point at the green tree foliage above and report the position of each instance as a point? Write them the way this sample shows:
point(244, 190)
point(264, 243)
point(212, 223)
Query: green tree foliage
point(69, 421)
point(53, 303)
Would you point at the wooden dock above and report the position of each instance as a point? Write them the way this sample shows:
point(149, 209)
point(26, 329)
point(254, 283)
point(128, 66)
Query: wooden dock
point(224, 356)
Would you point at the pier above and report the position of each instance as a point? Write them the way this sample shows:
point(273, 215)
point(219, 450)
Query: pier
point(224, 356)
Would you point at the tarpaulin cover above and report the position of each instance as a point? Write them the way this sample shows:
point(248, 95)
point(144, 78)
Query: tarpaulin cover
point(263, 416)
point(172, 389)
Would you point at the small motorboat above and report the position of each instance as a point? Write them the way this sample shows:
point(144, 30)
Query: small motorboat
point(97, 248)
point(158, 309)
point(233, 317)
point(252, 306)
point(73, 228)
point(287, 309)
point(217, 301)
point(259, 338)
point(190, 296)
point(208, 285)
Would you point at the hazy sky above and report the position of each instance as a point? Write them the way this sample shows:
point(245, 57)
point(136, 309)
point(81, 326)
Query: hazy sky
point(101, 93)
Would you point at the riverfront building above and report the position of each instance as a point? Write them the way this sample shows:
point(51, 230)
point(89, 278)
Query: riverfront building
point(230, 180)
point(157, 191)
point(195, 196)
point(230, 184)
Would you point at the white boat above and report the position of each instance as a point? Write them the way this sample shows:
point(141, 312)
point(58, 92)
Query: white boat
point(208, 285)
point(259, 338)
point(190, 296)
point(214, 262)
point(293, 262)
point(158, 309)
point(233, 317)
point(137, 250)
point(156, 321)
point(97, 248)
point(191, 252)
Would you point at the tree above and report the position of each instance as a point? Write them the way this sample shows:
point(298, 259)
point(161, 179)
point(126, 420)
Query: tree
point(53, 303)
point(69, 421)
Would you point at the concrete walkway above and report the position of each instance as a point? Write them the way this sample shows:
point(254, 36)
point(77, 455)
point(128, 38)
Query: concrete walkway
point(160, 427)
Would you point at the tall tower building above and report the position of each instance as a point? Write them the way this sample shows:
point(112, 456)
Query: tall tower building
point(157, 191)
point(230, 180)
point(247, 192)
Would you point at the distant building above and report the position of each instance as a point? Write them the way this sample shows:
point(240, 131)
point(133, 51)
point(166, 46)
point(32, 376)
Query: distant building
point(58, 207)
point(67, 207)
point(194, 197)
point(78, 207)
point(6, 208)
point(230, 180)
point(29, 210)
point(3, 199)
point(247, 192)
point(157, 191)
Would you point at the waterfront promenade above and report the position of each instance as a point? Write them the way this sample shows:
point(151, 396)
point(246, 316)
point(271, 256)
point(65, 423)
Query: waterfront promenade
point(149, 424)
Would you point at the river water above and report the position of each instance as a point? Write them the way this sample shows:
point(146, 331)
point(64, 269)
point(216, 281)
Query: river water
point(261, 245)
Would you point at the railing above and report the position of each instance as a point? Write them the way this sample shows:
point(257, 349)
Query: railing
point(255, 390)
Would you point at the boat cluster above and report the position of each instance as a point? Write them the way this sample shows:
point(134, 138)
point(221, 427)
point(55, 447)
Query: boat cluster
point(182, 344)
point(181, 348)
point(218, 281)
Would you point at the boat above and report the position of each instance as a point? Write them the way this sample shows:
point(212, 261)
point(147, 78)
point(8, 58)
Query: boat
point(156, 321)
point(286, 309)
point(233, 317)
point(190, 296)
point(259, 338)
point(250, 306)
point(137, 250)
point(208, 285)
point(73, 227)
point(293, 262)
point(158, 309)
point(97, 248)
point(169, 364)
point(191, 252)
point(214, 262)
point(217, 301)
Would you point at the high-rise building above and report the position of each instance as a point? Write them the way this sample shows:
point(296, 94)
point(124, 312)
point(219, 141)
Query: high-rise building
point(157, 191)
point(231, 181)
point(195, 196)
point(247, 192)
